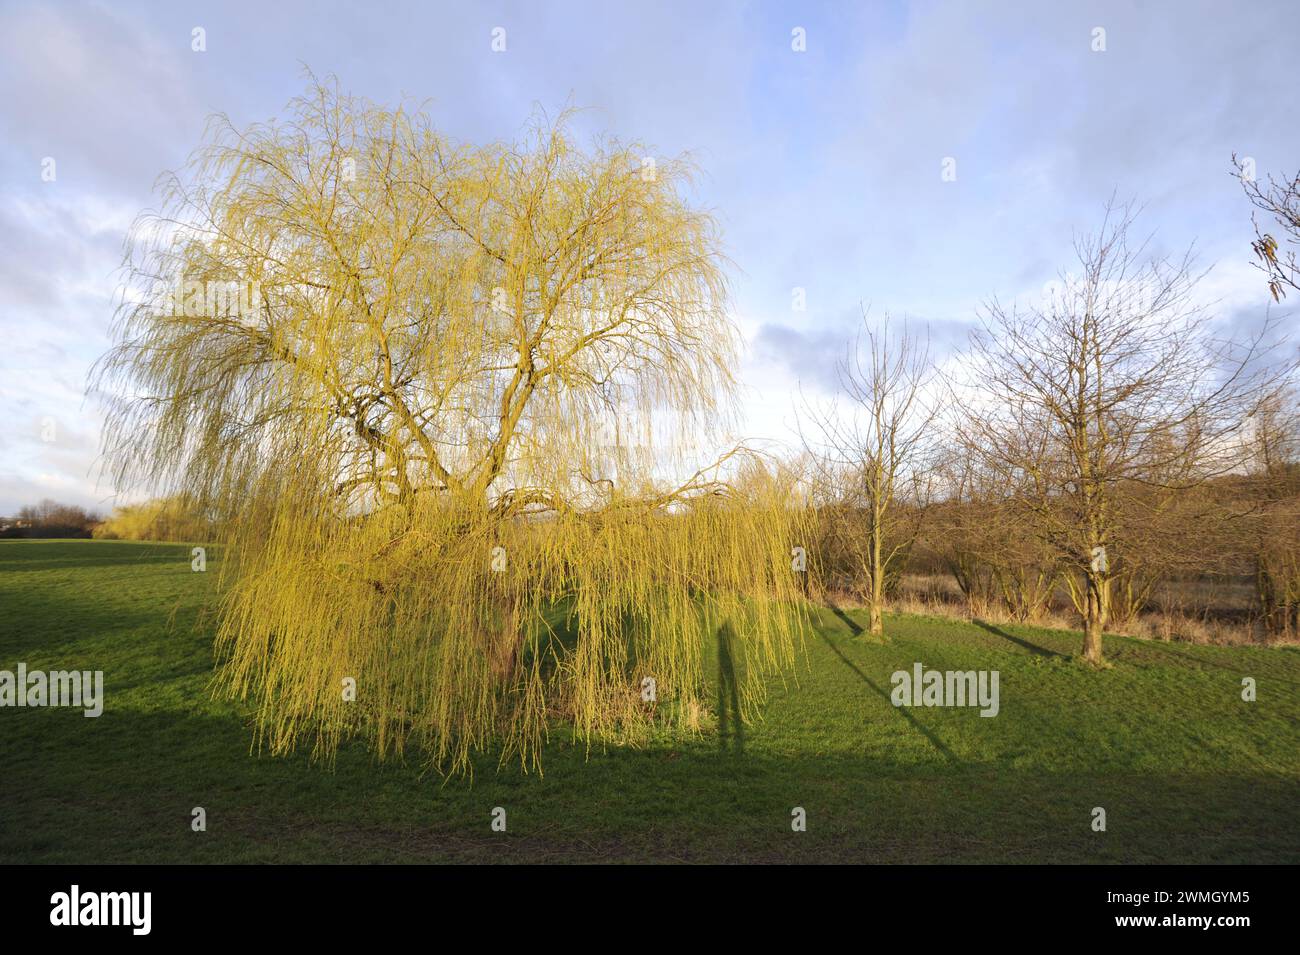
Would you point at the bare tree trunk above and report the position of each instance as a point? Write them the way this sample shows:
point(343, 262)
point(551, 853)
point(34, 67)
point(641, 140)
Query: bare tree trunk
point(877, 577)
point(877, 626)
point(1095, 617)
point(1266, 594)
point(874, 461)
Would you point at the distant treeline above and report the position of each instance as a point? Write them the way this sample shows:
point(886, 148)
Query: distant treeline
point(50, 519)
point(162, 519)
point(1227, 550)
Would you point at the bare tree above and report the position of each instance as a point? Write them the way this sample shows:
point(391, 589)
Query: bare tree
point(994, 558)
point(1273, 488)
point(870, 460)
point(49, 518)
point(1280, 199)
point(1111, 396)
point(962, 530)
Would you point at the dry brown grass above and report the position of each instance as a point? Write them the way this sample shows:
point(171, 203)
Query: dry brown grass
point(1215, 612)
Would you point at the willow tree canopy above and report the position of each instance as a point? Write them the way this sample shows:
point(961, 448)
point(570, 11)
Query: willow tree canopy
point(451, 404)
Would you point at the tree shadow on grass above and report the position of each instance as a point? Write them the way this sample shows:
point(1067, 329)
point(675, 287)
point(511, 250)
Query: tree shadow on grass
point(854, 627)
point(1020, 641)
point(731, 722)
point(880, 691)
point(124, 788)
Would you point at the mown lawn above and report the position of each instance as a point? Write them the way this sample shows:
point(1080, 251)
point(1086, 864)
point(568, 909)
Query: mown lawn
point(1186, 770)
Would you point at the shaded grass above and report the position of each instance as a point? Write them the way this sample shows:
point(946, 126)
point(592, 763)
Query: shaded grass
point(1186, 770)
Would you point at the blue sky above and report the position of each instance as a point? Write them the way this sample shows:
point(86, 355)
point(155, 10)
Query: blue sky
point(823, 166)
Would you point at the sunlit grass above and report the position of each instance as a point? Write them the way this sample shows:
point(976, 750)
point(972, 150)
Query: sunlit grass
point(1186, 770)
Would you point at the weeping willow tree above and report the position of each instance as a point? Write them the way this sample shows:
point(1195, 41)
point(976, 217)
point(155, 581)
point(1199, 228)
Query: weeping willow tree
point(460, 412)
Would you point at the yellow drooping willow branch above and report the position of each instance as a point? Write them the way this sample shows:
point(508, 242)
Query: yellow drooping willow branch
point(459, 412)
point(463, 632)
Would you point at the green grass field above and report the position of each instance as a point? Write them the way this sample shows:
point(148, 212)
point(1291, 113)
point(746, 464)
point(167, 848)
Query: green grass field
point(1186, 770)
